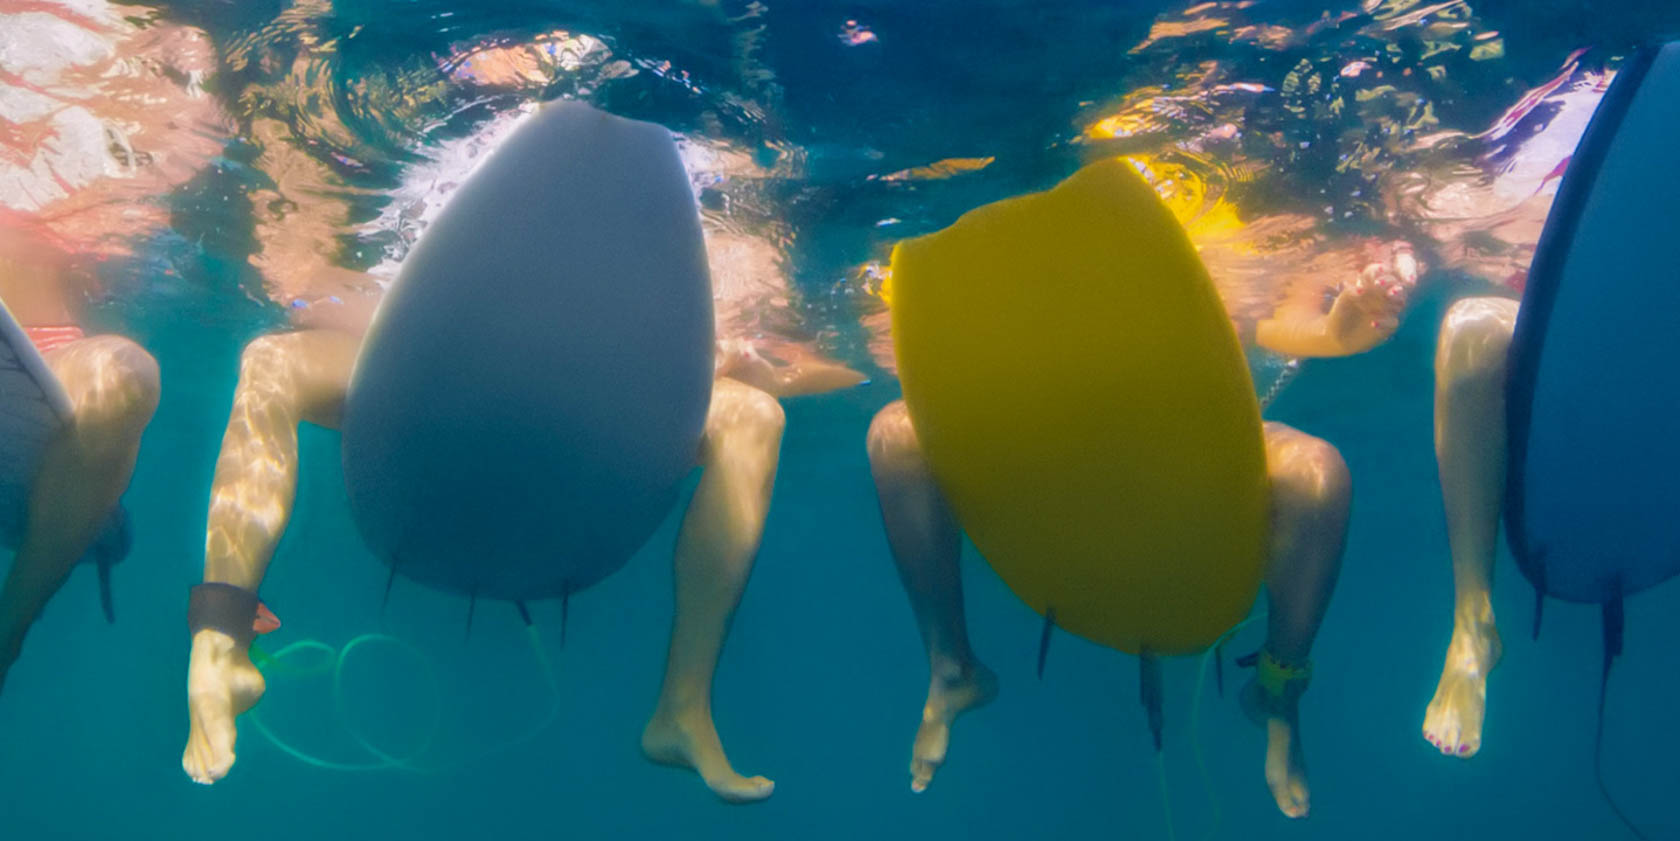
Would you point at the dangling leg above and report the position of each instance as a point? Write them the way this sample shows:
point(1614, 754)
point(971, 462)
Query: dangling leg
point(283, 380)
point(1470, 451)
point(113, 388)
point(926, 542)
point(715, 551)
point(1311, 493)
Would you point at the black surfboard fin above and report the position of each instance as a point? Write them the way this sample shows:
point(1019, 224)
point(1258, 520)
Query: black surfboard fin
point(111, 546)
point(1219, 667)
point(565, 610)
point(389, 583)
point(1149, 690)
point(524, 614)
point(1044, 639)
point(1614, 625)
point(106, 602)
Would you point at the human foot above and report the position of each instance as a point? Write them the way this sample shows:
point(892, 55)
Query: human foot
point(221, 684)
point(688, 739)
point(951, 693)
point(1453, 722)
point(1286, 767)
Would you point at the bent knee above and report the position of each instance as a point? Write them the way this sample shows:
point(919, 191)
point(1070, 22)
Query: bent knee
point(266, 354)
point(892, 438)
point(1307, 473)
point(739, 409)
point(112, 382)
point(1475, 337)
point(133, 366)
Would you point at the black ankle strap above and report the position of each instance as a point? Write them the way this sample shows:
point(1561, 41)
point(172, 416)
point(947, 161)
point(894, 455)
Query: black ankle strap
point(225, 608)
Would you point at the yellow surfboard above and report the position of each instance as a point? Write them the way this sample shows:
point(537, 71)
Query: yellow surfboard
point(1083, 400)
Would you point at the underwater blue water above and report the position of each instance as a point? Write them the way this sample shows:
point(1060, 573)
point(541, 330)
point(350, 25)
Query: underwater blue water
point(822, 680)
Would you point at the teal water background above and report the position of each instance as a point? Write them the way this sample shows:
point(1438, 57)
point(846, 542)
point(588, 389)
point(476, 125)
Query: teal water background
point(822, 680)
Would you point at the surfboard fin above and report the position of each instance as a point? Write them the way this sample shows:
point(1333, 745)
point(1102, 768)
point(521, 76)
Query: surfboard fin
point(472, 607)
point(565, 611)
point(389, 583)
point(1219, 666)
point(106, 602)
point(1044, 639)
point(524, 614)
point(1149, 689)
point(1614, 625)
point(111, 546)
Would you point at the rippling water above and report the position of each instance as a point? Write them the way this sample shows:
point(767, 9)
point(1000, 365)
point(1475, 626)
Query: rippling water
point(1281, 130)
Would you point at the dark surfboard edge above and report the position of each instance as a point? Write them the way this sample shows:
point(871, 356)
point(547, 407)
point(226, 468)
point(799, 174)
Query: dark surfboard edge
point(1540, 294)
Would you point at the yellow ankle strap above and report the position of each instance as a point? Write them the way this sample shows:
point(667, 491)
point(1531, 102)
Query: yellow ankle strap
point(1275, 677)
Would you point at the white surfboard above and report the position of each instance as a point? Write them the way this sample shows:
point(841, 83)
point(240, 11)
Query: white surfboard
point(535, 384)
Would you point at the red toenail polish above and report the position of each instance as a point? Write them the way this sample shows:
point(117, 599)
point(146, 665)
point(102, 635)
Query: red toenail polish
point(1463, 748)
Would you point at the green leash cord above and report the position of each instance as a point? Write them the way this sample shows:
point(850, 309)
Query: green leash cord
point(1166, 803)
point(1196, 721)
point(334, 664)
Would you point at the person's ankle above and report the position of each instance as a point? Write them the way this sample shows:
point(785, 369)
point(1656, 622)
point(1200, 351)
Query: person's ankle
point(946, 669)
point(214, 643)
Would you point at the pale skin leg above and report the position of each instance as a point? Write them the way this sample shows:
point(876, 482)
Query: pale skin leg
point(295, 377)
point(1311, 495)
point(283, 380)
point(926, 543)
point(112, 384)
point(1470, 451)
point(715, 551)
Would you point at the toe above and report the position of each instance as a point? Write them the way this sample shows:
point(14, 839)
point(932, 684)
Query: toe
point(191, 764)
point(195, 760)
point(1291, 803)
point(745, 789)
point(1289, 788)
point(218, 754)
point(1446, 740)
point(921, 775)
point(1468, 743)
point(1295, 804)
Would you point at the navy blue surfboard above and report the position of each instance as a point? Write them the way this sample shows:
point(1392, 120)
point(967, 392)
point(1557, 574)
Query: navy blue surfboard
point(535, 384)
point(1593, 496)
point(33, 408)
point(1592, 502)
